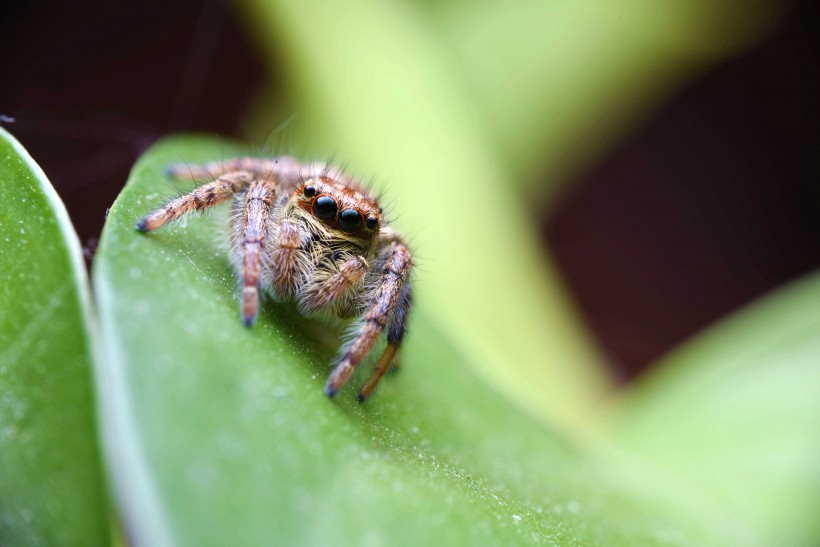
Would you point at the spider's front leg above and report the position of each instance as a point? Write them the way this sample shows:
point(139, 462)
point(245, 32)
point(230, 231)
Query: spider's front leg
point(395, 336)
point(390, 306)
point(200, 198)
point(258, 200)
point(284, 260)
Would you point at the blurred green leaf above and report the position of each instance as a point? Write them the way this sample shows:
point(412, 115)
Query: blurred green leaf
point(376, 90)
point(557, 83)
point(737, 413)
point(475, 111)
point(51, 484)
point(225, 438)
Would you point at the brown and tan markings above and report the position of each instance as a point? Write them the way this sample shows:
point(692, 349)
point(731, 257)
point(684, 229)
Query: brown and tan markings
point(309, 233)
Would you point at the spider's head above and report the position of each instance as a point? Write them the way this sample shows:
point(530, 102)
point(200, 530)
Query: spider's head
point(341, 206)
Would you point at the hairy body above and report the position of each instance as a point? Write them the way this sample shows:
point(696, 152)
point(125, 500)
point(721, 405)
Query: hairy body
point(314, 235)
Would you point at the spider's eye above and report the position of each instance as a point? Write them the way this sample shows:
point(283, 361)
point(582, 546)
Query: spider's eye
point(350, 220)
point(309, 191)
point(372, 223)
point(324, 207)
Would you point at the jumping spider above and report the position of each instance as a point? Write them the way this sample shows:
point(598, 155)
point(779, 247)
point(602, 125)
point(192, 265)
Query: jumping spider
point(311, 234)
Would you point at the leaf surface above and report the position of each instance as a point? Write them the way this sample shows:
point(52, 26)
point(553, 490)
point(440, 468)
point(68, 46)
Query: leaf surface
point(226, 437)
point(736, 413)
point(51, 484)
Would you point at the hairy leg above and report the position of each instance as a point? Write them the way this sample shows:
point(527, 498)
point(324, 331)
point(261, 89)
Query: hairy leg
point(284, 269)
point(395, 336)
point(258, 200)
point(200, 198)
point(387, 298)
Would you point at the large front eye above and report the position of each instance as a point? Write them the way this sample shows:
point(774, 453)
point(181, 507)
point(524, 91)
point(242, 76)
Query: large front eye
point(324, 207)
point(350, 220)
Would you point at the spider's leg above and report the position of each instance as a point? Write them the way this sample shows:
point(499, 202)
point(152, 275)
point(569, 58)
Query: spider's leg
point(387, 298)
point(201, 198)
point(395, 335)
point(284, 270)
point(333, 288)
point(258, 200)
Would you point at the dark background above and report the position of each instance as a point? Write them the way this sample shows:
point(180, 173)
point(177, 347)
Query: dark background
point(714, 201)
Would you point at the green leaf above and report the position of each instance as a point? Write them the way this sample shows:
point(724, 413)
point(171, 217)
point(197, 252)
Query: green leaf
point(437, 95)
point(225, 436)
point(51, 484)
point(471, 109)
point(383, 96)
point(558, 82)
point(737, 413)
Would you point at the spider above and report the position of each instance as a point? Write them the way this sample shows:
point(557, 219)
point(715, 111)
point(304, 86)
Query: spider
point(314, 235)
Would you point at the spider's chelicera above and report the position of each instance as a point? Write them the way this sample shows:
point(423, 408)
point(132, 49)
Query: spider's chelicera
point(313, 235)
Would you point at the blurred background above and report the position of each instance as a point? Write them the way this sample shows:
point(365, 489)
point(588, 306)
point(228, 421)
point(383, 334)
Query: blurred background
point(697, 196)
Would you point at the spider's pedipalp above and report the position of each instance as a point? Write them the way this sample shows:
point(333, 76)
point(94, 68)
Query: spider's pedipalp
point(388, 295)
point(202, 197)
point(258, 200)
point(334, 289)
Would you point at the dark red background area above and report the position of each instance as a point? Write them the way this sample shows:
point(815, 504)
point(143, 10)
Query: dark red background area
point(713, 202)
point(92, 85)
